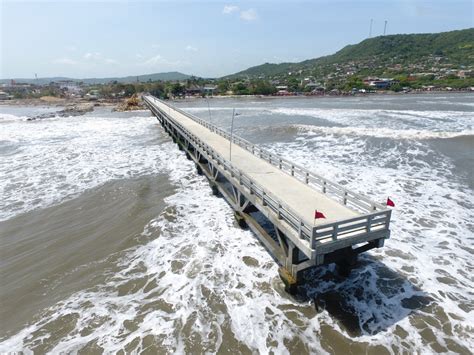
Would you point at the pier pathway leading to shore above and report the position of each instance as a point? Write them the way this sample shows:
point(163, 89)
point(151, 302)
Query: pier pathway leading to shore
point(254, 181)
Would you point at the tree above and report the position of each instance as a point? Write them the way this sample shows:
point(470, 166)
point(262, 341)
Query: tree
point(293, 84)
point(354, 82)
point(262, 87)
point(177, 89)
point(223, 86)
point(241, 89)
point(129, 90)
point(157, 89)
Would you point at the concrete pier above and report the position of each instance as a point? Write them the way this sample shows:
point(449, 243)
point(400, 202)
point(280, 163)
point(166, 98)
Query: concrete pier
point(253, 181)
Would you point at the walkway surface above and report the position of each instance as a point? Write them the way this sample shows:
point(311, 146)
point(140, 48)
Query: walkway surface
point(301, 198)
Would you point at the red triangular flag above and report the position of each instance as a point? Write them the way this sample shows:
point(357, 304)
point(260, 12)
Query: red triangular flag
point(390, 202)
point(318, 215)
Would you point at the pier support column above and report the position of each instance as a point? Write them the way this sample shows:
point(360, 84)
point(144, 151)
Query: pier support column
point(199, 169)
point(288, 273)
point(347, 261)
point(240, 219)
point(215, 190)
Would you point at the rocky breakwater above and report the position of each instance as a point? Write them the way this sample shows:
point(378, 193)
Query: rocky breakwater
point(131, 104)
point(75, 109)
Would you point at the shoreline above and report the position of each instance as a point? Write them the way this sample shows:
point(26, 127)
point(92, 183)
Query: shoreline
point(67, 107)
point(290, 97)
point(79, 106)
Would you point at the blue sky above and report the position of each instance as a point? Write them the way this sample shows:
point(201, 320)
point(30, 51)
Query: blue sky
point(205, 38)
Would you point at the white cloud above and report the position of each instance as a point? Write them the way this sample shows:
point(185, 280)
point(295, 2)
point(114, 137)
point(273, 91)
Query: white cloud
point(92, 56)
point(158, 60)
point(191, 48)
point(246, 15)
point(98, 58)
point(249, 15)
point(67, 61)
point(228, 9)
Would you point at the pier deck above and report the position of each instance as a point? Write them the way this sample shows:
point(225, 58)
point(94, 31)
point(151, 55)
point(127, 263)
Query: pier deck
point(252, 179)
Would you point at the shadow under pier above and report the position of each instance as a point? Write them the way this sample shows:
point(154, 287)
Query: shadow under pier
point(370, 300)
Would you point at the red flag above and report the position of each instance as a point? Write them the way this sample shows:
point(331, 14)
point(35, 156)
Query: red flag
point(390, 202)
point(318, 215)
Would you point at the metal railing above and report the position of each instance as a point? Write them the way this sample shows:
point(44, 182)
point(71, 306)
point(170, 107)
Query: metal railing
point(375, 217)
point(353, 200)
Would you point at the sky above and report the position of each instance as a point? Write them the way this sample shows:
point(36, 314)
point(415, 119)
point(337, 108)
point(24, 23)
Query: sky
point(84, 39)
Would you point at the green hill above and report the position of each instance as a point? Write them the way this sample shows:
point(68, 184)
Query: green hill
point(455, 48)
point(170, 76)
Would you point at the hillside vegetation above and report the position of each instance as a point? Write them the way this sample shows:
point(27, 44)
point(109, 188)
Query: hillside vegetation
point(412, 52)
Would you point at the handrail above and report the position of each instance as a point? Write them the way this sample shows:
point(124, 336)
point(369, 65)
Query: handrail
point(359, 202)
point(374, 218)
point(304, 230)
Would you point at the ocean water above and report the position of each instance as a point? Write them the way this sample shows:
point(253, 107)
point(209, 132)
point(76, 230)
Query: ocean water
point(111, 242)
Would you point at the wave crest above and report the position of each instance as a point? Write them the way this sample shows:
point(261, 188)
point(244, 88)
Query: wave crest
point(383, 132)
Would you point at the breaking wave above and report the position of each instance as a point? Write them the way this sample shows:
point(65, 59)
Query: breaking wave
point(199, 284)
point(383, 132)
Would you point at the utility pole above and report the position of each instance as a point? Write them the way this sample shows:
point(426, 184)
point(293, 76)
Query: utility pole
point(370, 29)
point(231, 134)
point(385, 27)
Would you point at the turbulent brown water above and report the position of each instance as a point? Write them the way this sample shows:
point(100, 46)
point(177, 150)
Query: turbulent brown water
point(110, 241)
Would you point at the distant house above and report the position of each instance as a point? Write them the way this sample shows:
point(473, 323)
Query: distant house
point(70, 86)
point(209, 89)
point(463, 74)
point(92, 95)
point(193, 90)
point(282, 90)
point(379, 83)
point(313, 85)
point(5, 96)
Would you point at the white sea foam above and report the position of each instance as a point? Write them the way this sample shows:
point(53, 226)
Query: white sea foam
point(54, 159)
point(383, 132)
point(6, 117)
point(446, 102)
point(199, 287)
point(197, 263)
point(432, 225)
point(394, 119)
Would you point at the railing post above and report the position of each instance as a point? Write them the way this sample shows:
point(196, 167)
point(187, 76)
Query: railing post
point(263, 198)
point(292, 170)
point(388, 214)
point(369, 224)
point(279, 164)
point(324, 186)
point(279, 211)
point(345, 198)
point(307, 178)
point(251, 189)
point(311, 239)
point(335, 231)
